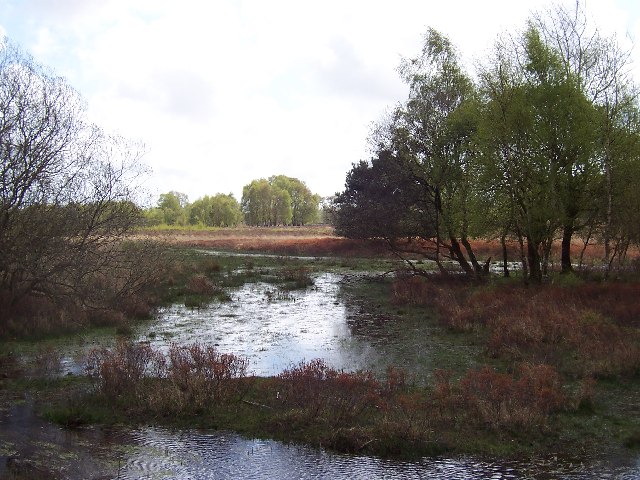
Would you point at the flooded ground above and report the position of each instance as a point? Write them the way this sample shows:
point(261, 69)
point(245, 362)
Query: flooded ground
point(271, 327)
point(274, 329)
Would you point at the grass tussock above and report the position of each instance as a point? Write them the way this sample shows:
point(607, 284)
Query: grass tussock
point(584, 330)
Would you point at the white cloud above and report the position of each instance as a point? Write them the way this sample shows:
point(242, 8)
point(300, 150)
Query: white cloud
point(224, 92)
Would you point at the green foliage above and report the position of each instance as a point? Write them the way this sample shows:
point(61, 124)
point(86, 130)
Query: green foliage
point(280, 200)
point(218, 211)
point(172, 206)
point(545, 145)
point(426, 188)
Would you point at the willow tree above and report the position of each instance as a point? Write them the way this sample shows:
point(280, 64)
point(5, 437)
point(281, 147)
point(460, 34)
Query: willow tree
point(279, 200)
point(219, 210)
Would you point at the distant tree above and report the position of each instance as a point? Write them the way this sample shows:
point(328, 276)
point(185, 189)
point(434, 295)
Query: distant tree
point(280, 200)
point(304, 204)
point(173, 207)
point(218, 211)
point(256, 203)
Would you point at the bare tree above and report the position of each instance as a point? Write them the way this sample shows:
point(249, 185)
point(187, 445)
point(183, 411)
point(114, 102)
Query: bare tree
point(66, 193)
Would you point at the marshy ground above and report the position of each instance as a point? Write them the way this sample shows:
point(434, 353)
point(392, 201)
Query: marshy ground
point(494, 368)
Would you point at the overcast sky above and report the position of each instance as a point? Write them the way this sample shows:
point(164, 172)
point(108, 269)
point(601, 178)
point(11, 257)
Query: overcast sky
point(224, 92)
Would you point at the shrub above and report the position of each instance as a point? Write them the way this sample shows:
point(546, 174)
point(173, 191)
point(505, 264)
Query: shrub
point(121, 372)
point(500, 400)
point(203, 375)
point(320, 390)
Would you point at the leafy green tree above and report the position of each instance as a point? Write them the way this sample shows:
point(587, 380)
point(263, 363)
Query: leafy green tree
point(540, 132)
point(225, 211)
point(172, 205)
point(430, 136)
point(280, 200)
point(256, 203)
point(553, 103)
point(218, 211)
point(304, 204)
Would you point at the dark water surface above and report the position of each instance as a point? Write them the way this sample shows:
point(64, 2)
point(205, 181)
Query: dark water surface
point(157, 453)
point(274, 330)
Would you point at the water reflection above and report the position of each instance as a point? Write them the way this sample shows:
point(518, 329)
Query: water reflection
point(156, 453)
point(273, 331)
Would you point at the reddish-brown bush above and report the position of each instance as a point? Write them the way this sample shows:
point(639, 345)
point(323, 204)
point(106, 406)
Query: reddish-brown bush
point(499, 399)
point(121, 372)
point(319, 389)
point(203, 375)
point(197, 376)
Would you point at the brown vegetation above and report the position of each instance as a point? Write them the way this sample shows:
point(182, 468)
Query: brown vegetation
point(320, 240)
point(122, 289)
point(583, 330)
point(195, 377)
point(348, 411)
point(316, 241)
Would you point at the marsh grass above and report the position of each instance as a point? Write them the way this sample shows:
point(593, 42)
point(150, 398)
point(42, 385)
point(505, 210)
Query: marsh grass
point(584, 330)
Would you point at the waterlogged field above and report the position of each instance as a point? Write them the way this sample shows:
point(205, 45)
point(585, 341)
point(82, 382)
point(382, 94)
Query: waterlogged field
point(276, 312)
point(275, 329)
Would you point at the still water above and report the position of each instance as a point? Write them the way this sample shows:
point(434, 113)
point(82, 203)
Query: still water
point(273, 329)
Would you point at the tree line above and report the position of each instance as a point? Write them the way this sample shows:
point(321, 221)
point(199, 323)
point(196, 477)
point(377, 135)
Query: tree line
point(542, 144)
point(278, 200)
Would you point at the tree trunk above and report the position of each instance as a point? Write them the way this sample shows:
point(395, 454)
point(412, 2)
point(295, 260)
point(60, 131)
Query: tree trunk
point(567, 235)
point(505, 261)
point(456, 252)
point(533, 257)
point(523, 257)
point(474, 261)
point(547, 244)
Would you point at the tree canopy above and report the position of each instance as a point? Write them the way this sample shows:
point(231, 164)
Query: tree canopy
point(279, 200)
point(533, 148)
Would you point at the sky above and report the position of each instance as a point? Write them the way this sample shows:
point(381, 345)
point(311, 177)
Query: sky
point(223, 92)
